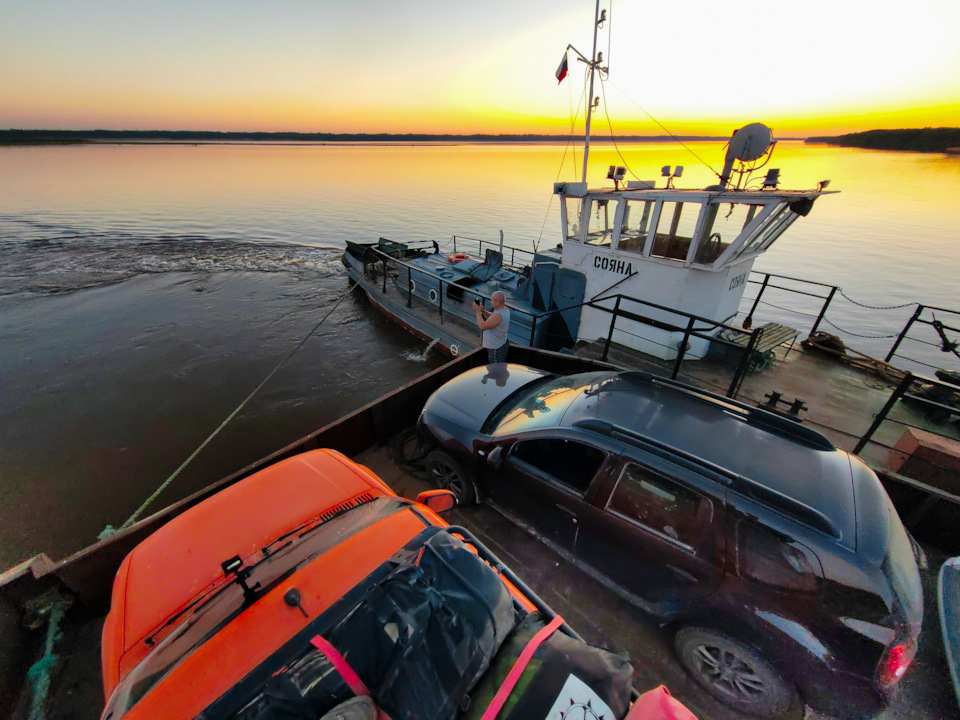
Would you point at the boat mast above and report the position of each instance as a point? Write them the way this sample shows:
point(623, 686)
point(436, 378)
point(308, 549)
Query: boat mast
point(593, 67)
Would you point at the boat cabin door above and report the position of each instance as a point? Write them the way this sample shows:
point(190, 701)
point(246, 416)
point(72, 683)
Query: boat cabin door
point(560, 290)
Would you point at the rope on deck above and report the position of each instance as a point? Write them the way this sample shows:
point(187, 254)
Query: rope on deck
point(40, 674)
point(109, 530)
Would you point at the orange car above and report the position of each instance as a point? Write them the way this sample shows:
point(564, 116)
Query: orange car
point(310, 583)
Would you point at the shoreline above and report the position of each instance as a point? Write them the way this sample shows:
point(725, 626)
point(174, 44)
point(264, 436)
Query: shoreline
point(927, 140)
point(13, 137)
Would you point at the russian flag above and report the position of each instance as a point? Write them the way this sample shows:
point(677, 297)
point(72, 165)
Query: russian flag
point(562, 70)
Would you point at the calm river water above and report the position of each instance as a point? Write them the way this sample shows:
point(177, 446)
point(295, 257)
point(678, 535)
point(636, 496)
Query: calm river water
point(146, 289)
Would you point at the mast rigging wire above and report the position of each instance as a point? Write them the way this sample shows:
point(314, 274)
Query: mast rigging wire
point(603, 89)
point(573, 125)
point(664, 128)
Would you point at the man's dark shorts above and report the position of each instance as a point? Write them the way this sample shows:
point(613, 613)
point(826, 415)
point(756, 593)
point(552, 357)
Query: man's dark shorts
point(498, 355)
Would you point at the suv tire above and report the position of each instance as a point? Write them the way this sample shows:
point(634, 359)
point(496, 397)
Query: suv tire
point(734, 673)
point(448, 473)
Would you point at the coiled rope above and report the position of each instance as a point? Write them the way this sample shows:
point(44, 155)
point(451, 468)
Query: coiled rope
point(109, 530)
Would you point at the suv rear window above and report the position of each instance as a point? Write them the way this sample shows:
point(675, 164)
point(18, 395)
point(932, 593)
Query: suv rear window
point(770, 558)
point(661, 505)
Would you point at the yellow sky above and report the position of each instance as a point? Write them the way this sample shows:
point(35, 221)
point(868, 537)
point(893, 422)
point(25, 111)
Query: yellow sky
point(697, 66)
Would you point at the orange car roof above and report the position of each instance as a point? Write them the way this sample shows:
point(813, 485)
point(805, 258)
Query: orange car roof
point(239, 647)
point(183, 558)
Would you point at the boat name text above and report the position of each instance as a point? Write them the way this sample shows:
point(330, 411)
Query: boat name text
point(613, 265)
point(738, 280)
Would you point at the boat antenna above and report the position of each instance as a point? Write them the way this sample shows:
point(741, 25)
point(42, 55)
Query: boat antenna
point(595, 64)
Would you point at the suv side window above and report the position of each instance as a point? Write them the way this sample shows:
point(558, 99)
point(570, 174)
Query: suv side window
point(662, 505)
point(568, 462)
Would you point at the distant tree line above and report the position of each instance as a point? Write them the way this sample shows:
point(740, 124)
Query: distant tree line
point(925, 140)
point(38, 137)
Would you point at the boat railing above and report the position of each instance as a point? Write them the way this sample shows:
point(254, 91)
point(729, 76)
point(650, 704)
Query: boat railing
point(915, 438)
point(916, 339)
point(742, 345)
point(938, 338)
point(928, 396)
point(511, 255)
point(797, 287)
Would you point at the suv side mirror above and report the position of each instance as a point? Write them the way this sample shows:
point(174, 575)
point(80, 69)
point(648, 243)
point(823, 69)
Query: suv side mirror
point(438, 500)
point(495, 457)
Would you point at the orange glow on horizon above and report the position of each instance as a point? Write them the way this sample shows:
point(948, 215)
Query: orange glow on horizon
point(423, 67)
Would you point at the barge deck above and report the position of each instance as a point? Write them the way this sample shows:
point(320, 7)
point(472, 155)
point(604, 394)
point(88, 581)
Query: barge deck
point(600, 612)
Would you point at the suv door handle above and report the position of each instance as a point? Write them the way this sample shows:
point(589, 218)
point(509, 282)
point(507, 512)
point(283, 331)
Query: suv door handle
point(567, 511)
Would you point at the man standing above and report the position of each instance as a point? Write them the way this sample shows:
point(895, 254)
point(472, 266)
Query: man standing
point(495, 325)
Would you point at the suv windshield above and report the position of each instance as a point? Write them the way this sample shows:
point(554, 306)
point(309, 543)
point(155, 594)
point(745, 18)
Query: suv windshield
point(540, 405)
point(279, 561)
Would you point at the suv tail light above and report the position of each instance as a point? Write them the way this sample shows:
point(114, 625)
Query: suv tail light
point(895, 661)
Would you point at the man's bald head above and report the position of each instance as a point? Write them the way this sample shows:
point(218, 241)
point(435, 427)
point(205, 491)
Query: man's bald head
point(498, 299)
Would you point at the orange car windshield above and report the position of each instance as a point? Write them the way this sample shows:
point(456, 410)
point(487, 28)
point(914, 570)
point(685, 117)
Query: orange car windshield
point(205, 619)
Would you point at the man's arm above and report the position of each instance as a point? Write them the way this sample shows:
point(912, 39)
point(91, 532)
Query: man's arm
point(489, 322)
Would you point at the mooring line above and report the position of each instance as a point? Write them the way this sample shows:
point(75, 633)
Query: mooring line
point(109, 530)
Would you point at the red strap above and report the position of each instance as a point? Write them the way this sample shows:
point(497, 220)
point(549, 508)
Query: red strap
point(518, 667)
point(341, 665)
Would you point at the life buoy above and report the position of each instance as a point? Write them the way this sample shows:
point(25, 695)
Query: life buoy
point(458, 257)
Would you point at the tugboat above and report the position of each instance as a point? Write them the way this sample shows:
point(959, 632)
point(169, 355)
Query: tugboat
point(681, 257)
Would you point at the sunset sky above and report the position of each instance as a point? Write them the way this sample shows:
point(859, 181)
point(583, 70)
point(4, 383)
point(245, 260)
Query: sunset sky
point(435, 66)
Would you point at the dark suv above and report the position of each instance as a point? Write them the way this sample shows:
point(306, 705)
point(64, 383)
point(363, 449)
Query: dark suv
point(778, 558)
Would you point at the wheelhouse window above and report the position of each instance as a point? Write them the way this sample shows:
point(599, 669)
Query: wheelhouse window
point(667, 508)
point(722, 225)
point(635, 225)
point(567, 462)
point(600, 227)
point(573, 207)
point(779, 221)
point(675, 228)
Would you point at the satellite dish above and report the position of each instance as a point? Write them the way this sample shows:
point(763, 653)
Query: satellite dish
point(750, 142)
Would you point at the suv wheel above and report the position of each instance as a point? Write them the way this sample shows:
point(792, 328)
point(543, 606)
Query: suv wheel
point(445, 472)
point(733, 672)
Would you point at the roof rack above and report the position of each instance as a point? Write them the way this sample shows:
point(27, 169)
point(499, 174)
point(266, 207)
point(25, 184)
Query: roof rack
point(774, 499)
point(727, 477)
point(758, 417)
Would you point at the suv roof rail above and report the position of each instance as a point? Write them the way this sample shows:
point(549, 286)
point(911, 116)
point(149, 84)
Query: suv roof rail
point(728, 477)
point(758, 417)
point(742, 484)
point(788, 505)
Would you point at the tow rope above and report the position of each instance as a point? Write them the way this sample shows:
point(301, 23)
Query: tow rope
point(109, 530)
